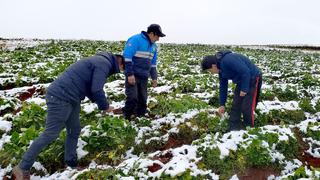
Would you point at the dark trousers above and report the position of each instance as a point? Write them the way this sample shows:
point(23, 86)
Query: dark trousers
point(245, 105)
point(61, 114)
point(136, 102)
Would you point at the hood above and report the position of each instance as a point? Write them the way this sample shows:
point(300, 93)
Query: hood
point(220, 54)
point(112, 59)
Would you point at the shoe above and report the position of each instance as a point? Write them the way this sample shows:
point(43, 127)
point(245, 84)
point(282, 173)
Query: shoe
point(20, 174)
point(141, 115)
point(129, 117)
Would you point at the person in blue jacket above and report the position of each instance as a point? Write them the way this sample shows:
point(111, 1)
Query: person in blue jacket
point(248, 80)
point(84, 78)
point(140, 55)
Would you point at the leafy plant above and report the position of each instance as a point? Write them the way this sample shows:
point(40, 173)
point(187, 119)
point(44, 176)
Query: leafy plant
point(211, 159)
point(209, 124)
point(12, 152)
point(305, 105)
point(313, 130)
point(111, 137)
point(108, 173)
point(308, 80)
point(288, 148)
point(280, 117)
point(32, 115)
point(257, 155)
point(183, 176)
point(289, 94)
point(165, 105)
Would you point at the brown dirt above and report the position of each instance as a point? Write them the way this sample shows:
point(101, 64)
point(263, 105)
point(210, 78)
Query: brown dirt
point(26, 94)
point(257, 174)
point(164, 158)
point(304, 157)
point(175, 141)
point(7, 87)
point(311, 161)
point(155, 167)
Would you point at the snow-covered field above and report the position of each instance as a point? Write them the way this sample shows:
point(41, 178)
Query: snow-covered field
point(182, 138)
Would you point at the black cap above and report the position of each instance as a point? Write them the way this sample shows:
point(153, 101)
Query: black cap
point(156, 29)
point(208, 61)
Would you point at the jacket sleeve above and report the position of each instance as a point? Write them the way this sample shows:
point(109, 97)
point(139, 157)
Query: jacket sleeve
point(98, 94)
point(153, 70)
point(243, 71)
point(129, 51)
point(223, 90)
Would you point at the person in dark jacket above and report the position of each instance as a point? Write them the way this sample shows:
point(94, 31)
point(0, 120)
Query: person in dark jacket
point(248, 80)
point(140, 55)
point(84, 78)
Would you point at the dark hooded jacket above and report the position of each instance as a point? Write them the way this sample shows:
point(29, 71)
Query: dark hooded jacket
point(86, 78)
point(235, 67)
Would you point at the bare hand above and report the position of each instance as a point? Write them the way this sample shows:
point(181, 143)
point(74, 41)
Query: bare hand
point(154, 83)
point(242, 93)
point(131, 80)
point(110, 109)
point(221, 110)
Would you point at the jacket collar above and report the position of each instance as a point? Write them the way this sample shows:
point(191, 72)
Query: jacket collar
point(145, 35)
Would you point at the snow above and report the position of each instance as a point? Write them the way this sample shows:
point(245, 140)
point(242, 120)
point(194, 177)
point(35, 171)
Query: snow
point(80, 151)
point(38, 166)
point(38, 101)
point(283, 132)
point(234, 177)
point(313, 151)
point(266, 106)
point(85, 131)
point(5, 125)
point(184, 157)
point(88, 107)
point(4, 139)
point(161, 89)
point(230, 141)
point(304, 124)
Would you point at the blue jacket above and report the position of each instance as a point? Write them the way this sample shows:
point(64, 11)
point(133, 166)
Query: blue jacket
point(85, 77)
point(237, 68)
point(141, 56)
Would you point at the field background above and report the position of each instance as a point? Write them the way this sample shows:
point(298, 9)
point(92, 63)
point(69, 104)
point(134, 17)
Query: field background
point(182, 138)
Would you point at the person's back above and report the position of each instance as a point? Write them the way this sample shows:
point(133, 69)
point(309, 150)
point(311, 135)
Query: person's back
point(81, 78)
point(233, 66)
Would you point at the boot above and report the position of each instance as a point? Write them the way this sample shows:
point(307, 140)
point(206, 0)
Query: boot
point(20, 174)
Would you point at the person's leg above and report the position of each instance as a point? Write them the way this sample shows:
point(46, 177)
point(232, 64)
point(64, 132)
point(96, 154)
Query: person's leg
point(235, 113)
point(73, 131)
point(58, 112)
point(131, 100)
point(259, 90)
point(250, 102)
point(142, 97)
